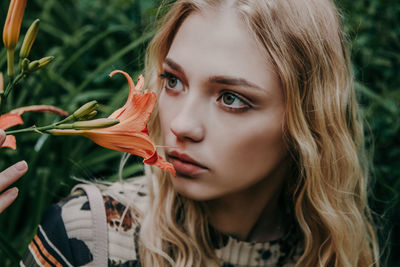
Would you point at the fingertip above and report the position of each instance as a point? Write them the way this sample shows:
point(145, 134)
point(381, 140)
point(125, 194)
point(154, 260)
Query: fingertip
point(13, 192)
point(7, 198)
point(21, 166)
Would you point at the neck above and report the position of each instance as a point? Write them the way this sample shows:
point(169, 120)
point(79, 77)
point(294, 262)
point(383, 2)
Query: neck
point(253, 214)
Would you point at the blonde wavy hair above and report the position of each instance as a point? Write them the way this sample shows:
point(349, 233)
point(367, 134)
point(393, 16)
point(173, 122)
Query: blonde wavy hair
point(305, 42)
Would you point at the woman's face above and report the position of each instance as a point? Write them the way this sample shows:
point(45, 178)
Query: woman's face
point(221, 109)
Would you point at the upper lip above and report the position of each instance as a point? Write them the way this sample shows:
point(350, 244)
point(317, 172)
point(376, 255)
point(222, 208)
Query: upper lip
point(185, 158)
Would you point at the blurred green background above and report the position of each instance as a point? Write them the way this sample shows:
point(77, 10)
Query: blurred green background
point(90, 38)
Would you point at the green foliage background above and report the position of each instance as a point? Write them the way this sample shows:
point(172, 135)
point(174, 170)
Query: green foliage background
point(90, 38)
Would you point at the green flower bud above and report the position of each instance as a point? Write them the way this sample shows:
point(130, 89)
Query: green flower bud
point(94, 124)
point(85, 109)
point(88, 116)
point(29, 39)
point(45, 61)
point(24, 65)
point(33, 66)
point(38, 64)
point(64, 126)
point(88, 125)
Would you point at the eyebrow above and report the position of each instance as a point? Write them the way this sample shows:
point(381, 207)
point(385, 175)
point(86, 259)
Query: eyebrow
point(173, 65)
point(225, 80)
point(228, 80)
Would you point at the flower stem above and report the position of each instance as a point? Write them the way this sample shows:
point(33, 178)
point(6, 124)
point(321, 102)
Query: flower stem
point(9, 88)
point(67, 119)
point(10, 63)
point(13, 83)
point(32, 129)
point(42, 128)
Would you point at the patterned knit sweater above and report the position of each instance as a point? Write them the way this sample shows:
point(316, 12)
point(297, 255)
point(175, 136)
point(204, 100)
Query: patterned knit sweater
point(64, 237)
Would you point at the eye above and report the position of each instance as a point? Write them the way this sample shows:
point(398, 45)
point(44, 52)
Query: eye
point(171, 82)
point(233, 102)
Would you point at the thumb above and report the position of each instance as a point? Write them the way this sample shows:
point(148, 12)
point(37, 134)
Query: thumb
point(2, 137)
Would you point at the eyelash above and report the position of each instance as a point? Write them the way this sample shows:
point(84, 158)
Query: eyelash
point(167, 76)
point(244, 108)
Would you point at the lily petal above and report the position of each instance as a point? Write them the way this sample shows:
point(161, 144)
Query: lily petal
point(131, 84)
point(165, 165)
point(136, 100)
point(10, 120)
point(39, 108)
point(10, 142)
point(138, 113)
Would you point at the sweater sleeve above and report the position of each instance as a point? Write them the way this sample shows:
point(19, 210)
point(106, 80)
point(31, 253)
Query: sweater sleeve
point(52, 246)
point(65, 236)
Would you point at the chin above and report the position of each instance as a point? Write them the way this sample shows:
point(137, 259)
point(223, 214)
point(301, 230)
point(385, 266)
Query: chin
point(191, 189)
point(194, 197)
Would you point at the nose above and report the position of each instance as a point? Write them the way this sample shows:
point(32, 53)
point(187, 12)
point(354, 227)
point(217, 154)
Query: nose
point(188, 124)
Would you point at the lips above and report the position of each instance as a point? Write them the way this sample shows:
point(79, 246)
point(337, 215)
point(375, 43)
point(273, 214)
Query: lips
point(186, 165)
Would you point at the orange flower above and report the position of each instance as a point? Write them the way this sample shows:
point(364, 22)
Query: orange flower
point(130, 134)
point(13, 118)
point(12, 25)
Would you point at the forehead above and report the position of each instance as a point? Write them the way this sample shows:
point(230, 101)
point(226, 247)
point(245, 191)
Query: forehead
point(218, 42)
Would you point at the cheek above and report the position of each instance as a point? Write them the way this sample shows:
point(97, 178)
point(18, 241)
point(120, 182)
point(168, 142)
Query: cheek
point(252, 150)
point(166, 113)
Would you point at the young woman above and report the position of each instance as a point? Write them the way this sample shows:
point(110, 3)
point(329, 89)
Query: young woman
point(258, 113)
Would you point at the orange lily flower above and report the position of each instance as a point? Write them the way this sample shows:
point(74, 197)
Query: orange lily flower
point(130, 134)
point(12, 25)
point(13, 118)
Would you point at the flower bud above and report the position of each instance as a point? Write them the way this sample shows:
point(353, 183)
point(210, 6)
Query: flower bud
point(88, 116)
point(12, 25)
point(93, 124)
point(38, 64)
point(64, 126)
point(11, 30)
point(87, 125)
point(85, 109)
point(29, 39)
point(24, 65)
point(43, 62)
point(32, 66)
